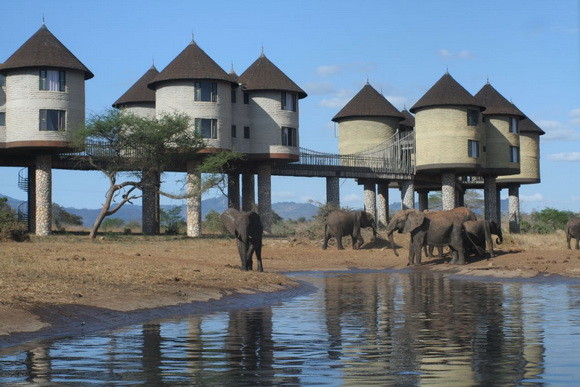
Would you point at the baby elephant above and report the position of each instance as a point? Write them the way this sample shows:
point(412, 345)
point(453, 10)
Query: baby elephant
point(247, 228)
point(342, 223)
point(573, 231)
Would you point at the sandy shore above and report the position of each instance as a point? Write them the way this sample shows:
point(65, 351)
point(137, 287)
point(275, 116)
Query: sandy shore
point(61, 284)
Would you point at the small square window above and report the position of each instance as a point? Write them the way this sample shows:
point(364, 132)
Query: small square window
point(206, 127)
point(473, 148)
point(472, 117)
point(246, 132)
point(52, 80)
point(288, 101)
point(514, 154)
point(514, 125)
point(234, 97)
point(206, 91)
point(289, 136)
point(2, 119)
point(246, 97)
point(234, 131)
point(52, 120)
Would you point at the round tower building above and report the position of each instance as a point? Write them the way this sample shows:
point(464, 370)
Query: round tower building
point(139, 99)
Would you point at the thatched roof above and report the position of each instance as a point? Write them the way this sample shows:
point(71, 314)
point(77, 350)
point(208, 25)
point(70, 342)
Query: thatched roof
point(43, 49)
point(446, 92)
point(264, 75)
point(368, 103)
point(527, 125)
point(495, 103)
point(139, 92)
point(191, 63)
point(409, 122)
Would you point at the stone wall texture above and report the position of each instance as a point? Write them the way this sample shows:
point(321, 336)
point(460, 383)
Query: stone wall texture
point(514, 208)
point(193, 201)
point(43, 194)
point(2, 110)
point(490, 197)
point(358, 134)
point(407, 194)
point(370, 198)
point(248, 192)
point(383, 203)
point(265, 196)
point(448, 191)
point(498, 142)
point(333, 191)
point(146, 110)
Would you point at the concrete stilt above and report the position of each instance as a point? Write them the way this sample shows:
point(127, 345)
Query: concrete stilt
point(498, 206)
point(407, 194)
point(448, 191)
point(150, 212)
point(514, 208)
point(43, 194)
point(248, 193)
point(31, 199)
point(490, 197)
point(459, 198)
point(193, 201)
point(383, 203)
point(333, 191)
point(423, 200)
point(234, 190)
point(265, 196)
point(370, 197)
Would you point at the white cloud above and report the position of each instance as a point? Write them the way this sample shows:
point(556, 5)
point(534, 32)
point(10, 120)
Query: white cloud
point(537, 197)
point(465, 54)
point(338, 100)
point(318, 88)
point(570, 156)
point(559, 131)
point(352, 198)
point(360, 67)
point(328, 70)
point(575, 114)
point(444, 53)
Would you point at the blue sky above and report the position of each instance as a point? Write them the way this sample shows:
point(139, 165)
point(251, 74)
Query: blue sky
point(529, 50)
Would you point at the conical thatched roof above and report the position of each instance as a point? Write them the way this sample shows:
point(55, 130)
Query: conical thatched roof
point(409, 122)
point(43, 49)
point(368, 103)
point(446, 91)
point(495, 103)
point(139, 92)
point(191, 63)
point(264, 75)
point(527, 125)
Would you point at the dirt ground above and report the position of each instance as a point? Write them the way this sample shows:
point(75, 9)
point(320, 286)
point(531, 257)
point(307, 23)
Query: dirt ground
point(131, 273)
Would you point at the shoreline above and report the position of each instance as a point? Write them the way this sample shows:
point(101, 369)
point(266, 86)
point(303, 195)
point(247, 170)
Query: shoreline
point(62, 287)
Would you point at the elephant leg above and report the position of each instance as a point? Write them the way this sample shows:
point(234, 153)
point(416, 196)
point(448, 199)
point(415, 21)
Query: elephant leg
point(258, 248)
point(568, 238)
point(577, 243)
point(242, 251)
point(355, 244)
point(426, 250)
point(339, 242)
point(440, 251)
point(418, 252)
point(358, 241)
point(488, 240)
point(454, 257)
point(249, 254)
point(411, 254)
point(326, 238)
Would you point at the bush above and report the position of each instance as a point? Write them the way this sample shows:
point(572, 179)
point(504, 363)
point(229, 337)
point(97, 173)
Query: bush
point(110, 224)
point(172, 221)
point(213, 223)
point(546, 221)
point(10, 228)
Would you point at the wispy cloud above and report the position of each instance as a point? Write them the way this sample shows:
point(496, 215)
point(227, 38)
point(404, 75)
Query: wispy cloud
point(327, 70)
point(359, 67)
point(319, 88)
point(446, 54)
point(565, 156)
point(561, 131)
point(350, 198)
point(575, 117)
point(443, 53)
point(537, 197)
point(338, 99)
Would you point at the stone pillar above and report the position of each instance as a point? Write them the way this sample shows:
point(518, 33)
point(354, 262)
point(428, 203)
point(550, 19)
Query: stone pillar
point(423, 200)
point(459, 198)
point(234, 190)
point(265, 196)
point(333, 191)
point(43, 194)
point(448, 191)
point(490, 197)
point(31, 199)
point(193, 200)
point(248, 195)
point(514, 208)
point(150, 211)
point(407, 194)
point(498, 206)
point(383, 203)
point(370, 197)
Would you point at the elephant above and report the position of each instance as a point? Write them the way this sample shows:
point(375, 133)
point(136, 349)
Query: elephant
point(476, 233)
point(342, 223)
point(441, 228)
point(573, 231)
point(463, 214)
point(247, 228)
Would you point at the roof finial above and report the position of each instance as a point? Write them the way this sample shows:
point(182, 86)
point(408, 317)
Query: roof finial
point(368, 80)
point(447, 70)
point(232, 71)
point(43, 19)
point(153, 62)
point(262, 54)
point(192, 37)
point(488, 80)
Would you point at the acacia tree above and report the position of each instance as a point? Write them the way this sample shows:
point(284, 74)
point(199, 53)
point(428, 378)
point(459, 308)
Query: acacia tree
point(128, 149)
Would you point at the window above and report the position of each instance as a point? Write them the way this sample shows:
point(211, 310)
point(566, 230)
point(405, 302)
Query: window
point(206, 91)
point(473, 148)
point(472, 117)
point(514, 154)
point(2, 119)
point(206, 127)
point(52, 80)
point(246, 132)
point(234, 131)
point(246, 97)
point(233, 94)
point(52, 120)
point(289, 136)
point(514, 125)
point(288, 101)
point(2, 80)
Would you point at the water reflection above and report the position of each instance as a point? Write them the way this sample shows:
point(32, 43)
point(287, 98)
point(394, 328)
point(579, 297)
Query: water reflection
point(409, 328)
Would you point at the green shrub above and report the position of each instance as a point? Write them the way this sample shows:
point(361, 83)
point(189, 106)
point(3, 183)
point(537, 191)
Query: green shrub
point(172, 221)
point(213, 223)
point(10, 228)
point(110, 224)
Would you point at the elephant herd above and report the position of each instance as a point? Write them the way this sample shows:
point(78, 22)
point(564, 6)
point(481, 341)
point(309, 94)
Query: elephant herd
point(458, 229)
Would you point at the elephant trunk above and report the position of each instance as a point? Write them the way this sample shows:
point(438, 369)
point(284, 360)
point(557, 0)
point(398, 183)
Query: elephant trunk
point(374, 227)
point(499, 239)
point(392, 242)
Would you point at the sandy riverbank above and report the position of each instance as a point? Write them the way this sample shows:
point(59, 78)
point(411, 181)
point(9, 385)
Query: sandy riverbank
point(42, 281)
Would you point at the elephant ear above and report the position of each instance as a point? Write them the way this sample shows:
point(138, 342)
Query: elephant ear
point(414, 220)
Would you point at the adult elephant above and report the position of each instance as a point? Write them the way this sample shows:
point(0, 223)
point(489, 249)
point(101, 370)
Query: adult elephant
point(573, 231)
point(247, 228)
point(477, 233)
point(442, 228)
point(342, 223)
point(461, 214)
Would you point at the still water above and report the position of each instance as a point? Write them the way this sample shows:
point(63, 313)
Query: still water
point(356, 328)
